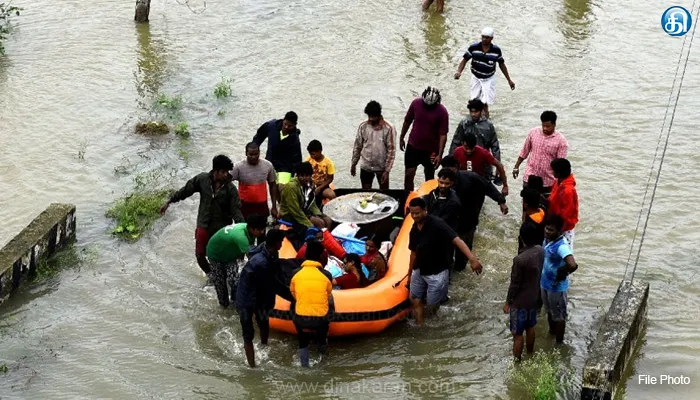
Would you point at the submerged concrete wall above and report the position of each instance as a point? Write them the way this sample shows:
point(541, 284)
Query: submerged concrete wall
point(616, 341)
point(50, 231)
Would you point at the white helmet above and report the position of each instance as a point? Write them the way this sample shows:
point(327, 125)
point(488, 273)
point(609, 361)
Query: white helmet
point(431, 96)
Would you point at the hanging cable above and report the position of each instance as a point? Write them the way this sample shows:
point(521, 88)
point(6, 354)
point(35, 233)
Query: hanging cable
point(663, 154)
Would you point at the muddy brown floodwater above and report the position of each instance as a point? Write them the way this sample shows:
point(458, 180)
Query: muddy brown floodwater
point(131, 321)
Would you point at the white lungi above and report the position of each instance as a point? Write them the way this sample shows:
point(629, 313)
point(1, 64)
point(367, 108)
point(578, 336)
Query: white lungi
point(484, 89)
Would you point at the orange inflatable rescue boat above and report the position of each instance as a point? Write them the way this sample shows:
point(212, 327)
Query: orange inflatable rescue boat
point(371, 309)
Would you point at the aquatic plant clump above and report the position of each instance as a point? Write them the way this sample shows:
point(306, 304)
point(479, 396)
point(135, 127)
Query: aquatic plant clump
point(171, 103)
point(152, 128)
point(182, 129)
point(7, 11)
point(543, 376)
point(136, 212)
point(223, 89)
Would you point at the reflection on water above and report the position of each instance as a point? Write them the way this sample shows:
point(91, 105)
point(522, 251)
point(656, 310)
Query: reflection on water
point(575, 19)
point(438, 45)
point(436, 39)
point(4, 67)
point(151, 63)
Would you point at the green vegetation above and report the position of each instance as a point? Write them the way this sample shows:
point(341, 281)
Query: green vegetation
point(221, 112)
point(137, 211)
point(70, 257)
point(152, 128)
point(7, 11)
point(543, 376)
point(171, 103)
point(223, 88)
point(182, 129)
point(3, 368)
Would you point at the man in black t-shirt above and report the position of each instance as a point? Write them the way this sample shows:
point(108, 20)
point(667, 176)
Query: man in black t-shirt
point(443, 201)
point(431, 243)
point(472, 189)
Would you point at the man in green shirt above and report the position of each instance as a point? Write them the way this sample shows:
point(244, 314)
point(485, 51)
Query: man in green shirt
point(226, 250)
point(298, 205)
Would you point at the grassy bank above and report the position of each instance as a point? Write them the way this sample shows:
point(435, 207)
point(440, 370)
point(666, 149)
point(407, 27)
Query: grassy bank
point(543, 376)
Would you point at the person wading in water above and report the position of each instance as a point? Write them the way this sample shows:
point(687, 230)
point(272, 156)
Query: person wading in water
point(522, 301)
point(484, 56)
point(219, 205)
point(431, 243)
point(426, 142)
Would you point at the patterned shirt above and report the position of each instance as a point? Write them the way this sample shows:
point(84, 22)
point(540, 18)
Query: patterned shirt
point(375, 147)
point(540, 150)
point(322, 169)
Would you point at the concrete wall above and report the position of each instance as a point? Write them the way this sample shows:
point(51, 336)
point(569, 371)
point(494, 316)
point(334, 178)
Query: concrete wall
point(49, 232)
point(617, 338)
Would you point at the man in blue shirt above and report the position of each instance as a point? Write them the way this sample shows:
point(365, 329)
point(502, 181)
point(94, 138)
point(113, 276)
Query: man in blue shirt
point(484, 56)
point(558, 264)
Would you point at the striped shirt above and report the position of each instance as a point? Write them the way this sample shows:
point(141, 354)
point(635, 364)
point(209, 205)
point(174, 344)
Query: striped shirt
point(540, 150)
point(253, 180)
point(483, 64)
point(375, 147)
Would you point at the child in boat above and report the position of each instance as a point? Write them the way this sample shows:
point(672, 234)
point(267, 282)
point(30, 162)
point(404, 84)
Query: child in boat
point(353, 275)
point(374, 260)
point(324, 170)
point(313, 234)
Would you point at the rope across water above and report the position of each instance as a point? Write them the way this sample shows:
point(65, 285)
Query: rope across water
point(663, 153)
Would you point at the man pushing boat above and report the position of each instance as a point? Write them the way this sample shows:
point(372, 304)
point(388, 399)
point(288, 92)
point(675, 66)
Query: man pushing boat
point(431, 243)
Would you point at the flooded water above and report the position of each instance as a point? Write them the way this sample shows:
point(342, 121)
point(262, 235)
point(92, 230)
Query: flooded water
point(131, 320)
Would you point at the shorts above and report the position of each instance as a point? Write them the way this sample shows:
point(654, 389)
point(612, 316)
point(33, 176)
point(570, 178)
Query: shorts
point(246, 317)
point(555, 304)
point(367, 177)
point(415, 157)
point(248, 209)
point(432, 288)
point(201, 238)
point(484, 89)
point(522, 319)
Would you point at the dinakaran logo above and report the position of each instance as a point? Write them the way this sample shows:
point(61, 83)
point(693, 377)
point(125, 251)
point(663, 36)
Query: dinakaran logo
point(676, 21)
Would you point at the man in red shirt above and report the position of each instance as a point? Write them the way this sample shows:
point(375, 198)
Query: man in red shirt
point(563, 200)
point(472, 157)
